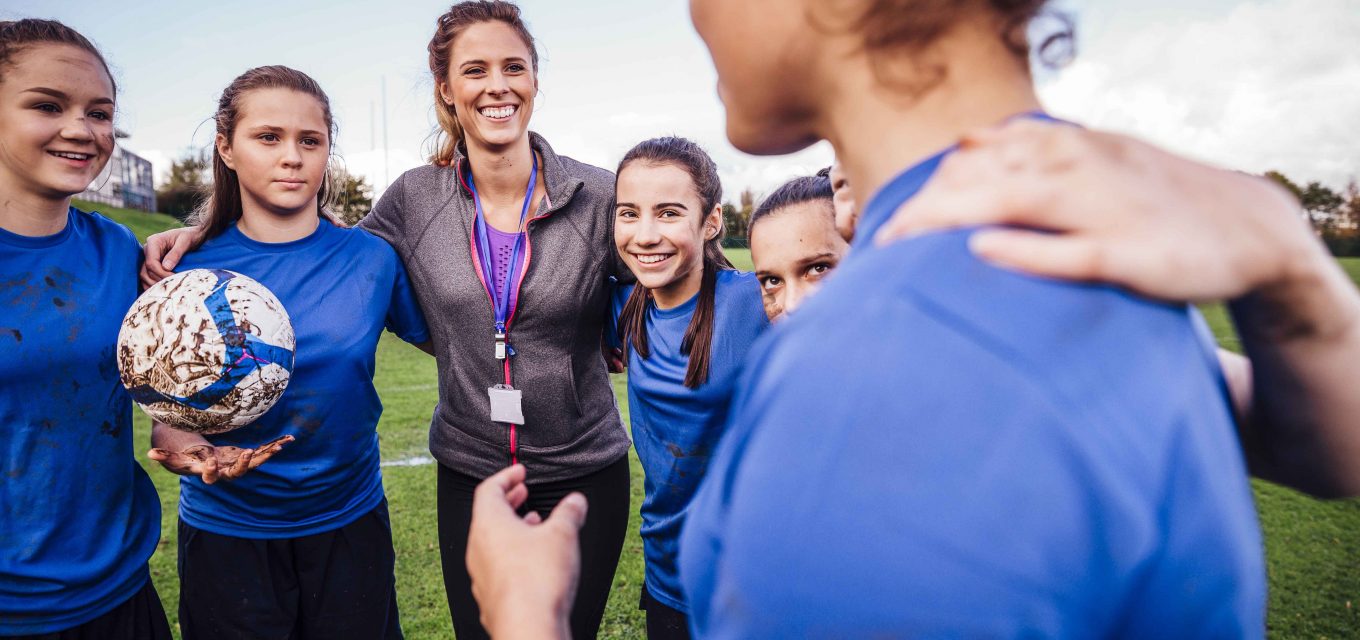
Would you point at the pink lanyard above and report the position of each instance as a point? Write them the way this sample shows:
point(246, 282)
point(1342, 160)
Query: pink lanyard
point(504, 312)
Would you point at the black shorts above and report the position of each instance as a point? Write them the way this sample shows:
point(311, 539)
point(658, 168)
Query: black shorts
point(141, 617)
point(663, 621)
point(334, 584)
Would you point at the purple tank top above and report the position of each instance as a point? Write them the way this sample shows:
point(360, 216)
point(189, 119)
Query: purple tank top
point(502, 245)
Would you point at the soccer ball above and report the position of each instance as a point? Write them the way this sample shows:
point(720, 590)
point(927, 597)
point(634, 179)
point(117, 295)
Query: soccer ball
point(206, 350)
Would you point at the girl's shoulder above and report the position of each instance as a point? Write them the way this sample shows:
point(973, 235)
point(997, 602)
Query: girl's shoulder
point(738, 280)
point(103, 229)
point(738, 297)
point(359, 241)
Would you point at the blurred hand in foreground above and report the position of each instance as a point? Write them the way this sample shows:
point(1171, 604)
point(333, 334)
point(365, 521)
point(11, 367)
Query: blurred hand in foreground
point(524, 570)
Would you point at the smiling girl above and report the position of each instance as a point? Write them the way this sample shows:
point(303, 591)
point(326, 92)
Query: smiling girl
point(78, 517)
point(687, 325)
point(306, 537)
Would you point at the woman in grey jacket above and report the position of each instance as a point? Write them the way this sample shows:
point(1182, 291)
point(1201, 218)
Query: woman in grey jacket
point(510, 248)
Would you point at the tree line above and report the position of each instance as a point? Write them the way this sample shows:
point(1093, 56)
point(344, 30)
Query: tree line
point(190, 177)
point(1335, 215)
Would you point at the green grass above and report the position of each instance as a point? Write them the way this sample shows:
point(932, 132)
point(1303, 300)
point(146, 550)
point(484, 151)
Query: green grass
point(741, 258)
point(1312, 547)
point(142, 223)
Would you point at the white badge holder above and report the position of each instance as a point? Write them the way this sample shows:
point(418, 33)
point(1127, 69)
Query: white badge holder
point(506, 404)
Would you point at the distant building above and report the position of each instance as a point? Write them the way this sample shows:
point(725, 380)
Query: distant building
point(125, 183)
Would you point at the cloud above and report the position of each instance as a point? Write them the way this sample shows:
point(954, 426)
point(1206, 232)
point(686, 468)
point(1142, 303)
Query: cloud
point(1268, 85)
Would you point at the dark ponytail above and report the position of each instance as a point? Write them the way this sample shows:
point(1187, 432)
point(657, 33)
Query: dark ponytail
point(698, 341)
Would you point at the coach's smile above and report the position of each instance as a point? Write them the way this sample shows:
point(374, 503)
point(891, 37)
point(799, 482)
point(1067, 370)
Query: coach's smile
point(499, 113)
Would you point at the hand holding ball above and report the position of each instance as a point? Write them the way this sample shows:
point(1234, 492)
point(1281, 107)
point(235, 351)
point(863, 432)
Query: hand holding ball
point(206, 350)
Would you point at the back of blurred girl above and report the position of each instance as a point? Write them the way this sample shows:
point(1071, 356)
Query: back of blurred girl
point(78, 517)
point(976, 469)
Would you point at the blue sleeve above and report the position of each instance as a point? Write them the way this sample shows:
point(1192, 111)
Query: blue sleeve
point(618, 296)
point(404, 316)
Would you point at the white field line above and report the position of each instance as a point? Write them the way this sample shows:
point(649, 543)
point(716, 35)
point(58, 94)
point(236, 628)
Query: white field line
point(413, 461)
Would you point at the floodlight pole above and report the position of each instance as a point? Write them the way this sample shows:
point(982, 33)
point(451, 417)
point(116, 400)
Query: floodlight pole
point(387, 176)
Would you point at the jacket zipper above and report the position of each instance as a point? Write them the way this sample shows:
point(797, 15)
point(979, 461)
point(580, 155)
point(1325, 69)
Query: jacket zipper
point(519, 282)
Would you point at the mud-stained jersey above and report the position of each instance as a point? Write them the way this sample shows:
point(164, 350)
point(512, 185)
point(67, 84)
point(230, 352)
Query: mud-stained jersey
point(78, 516)
point(340, 288)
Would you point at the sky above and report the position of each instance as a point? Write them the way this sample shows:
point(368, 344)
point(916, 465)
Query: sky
point(1246, 84)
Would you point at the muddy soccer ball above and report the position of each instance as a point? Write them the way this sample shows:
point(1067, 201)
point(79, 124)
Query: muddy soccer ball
point(206, 350)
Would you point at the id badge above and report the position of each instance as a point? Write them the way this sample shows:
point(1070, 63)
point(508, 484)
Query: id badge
point(505, 404)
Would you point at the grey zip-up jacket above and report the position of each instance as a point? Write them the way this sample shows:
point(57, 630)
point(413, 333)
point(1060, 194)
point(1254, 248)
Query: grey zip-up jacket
point(572, 425)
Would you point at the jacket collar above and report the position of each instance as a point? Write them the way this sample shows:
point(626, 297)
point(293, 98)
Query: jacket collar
point(561, 185)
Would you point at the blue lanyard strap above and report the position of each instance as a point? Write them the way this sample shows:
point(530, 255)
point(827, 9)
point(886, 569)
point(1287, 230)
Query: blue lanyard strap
point(501, 304)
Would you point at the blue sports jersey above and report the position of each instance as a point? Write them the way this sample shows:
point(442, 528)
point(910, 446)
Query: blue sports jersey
point(78, 517)
point(936, 447)
point(674, 430)
point(340, 288)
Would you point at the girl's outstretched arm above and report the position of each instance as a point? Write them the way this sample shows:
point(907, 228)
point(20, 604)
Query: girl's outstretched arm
point(190, 454)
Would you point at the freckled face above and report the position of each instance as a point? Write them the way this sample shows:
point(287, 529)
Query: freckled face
point(793, 249)
point(491, 84)
point(764, 52)
point(56, 121)
point(279, 150)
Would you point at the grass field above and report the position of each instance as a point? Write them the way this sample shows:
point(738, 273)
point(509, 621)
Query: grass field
point(1312, 547)
point(142, 223)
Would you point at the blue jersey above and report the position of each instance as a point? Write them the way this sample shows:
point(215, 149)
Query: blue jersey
point(936, 447)
point(340, 288)
point(78, 516)
point(674, 427)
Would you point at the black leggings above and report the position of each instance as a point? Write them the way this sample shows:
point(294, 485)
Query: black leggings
point(601, 540)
